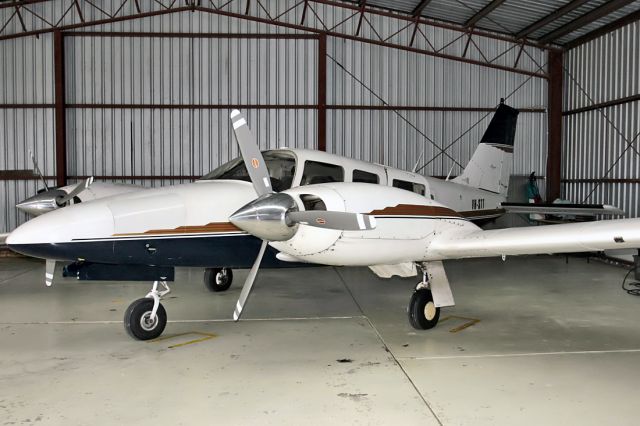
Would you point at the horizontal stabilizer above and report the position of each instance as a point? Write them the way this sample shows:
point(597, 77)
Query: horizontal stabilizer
point(565, 238)
point(563, 209)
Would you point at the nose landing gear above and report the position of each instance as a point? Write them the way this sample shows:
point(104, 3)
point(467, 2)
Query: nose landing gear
point(145, 318)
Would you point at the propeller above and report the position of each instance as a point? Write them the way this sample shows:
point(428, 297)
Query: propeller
point(51, 199)
point(251, 155)
point(36, 170)
point(81, 186)
point(334, 220)
point(275, 216)
point(248, 284)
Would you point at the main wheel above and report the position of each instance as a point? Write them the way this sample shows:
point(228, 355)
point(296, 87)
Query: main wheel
point(138, 321)
point(218, 279)
point(423, 313)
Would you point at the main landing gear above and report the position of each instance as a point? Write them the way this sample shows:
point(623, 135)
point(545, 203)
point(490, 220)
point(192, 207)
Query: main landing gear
point(422, 310)
point(218, 279)
point(145, 318)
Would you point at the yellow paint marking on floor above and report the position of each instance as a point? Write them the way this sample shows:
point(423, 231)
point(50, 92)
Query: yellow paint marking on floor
point(206, 336)
point(469, 323)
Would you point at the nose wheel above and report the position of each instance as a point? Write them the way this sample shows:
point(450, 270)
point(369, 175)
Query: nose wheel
point(218, 279)
point(146, 318)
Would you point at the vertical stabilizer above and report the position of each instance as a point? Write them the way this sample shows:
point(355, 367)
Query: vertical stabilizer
point(491, 164)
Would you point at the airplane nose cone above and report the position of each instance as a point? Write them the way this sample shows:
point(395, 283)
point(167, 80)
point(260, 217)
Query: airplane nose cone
point(266, 217)
point(56, 234)
point(40, 203)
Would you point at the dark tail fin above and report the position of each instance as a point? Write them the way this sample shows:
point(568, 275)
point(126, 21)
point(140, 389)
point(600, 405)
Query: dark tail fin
point(502, 129)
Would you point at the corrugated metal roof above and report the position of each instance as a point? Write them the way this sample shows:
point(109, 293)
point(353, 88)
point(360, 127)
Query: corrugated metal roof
point(568, 17)
point(620, 13)
point(511, 16)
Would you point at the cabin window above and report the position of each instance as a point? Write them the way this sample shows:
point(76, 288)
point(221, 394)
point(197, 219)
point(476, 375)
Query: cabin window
point(365, 177)
point(317, 172)
point(409, 186)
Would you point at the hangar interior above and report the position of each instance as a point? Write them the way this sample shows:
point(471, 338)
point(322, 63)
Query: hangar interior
point(139, 92)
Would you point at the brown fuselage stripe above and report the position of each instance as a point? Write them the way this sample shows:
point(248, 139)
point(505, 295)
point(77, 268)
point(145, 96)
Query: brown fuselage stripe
point(197, 229)
point(414, 210)
point(399, 210)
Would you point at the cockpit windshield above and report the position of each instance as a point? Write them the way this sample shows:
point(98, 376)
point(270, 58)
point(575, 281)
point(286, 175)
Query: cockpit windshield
point(281, 166)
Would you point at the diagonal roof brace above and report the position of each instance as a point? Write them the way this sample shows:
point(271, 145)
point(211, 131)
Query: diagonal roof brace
point(417, 11)
point(483, 12)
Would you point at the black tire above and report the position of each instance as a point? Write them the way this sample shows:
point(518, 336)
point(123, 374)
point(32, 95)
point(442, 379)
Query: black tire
point(423, 313)
point(134, 321)
point(218, 279)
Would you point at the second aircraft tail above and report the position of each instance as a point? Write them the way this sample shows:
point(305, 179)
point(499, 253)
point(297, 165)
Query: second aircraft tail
point(492, 162)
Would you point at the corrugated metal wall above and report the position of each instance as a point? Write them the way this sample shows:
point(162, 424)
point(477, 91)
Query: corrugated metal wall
point(364, 74)
point(26, 77)
point(596, 142)
point(120, 141)
point(173, 71)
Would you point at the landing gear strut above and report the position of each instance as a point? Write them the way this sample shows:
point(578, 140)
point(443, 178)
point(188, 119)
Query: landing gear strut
point(218, 279)
point(423, 313)
point(145, 318)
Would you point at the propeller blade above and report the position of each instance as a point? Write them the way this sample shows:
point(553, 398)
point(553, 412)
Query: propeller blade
point(50, 268)
point(36, 170)
point(248, 283)
point(253, 160)
point(342, 221)
point(81, 186)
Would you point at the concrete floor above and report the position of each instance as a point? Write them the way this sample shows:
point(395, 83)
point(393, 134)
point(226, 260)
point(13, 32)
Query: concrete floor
point(555, 344)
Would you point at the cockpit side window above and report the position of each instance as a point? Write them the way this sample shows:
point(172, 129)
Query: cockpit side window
point(365, 177)
point(281, 166)
point(409, 186)
point(317, 172)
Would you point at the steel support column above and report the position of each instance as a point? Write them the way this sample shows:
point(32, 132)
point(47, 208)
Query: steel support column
point(322, 92)
point(554, 117)
point(60, 119)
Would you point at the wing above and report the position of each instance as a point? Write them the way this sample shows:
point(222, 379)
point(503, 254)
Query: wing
point(565, 238)
point(3, 238)
point(563, 209)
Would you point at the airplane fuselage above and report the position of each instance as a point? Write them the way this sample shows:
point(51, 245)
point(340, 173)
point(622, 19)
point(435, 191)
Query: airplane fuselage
point(188, 224)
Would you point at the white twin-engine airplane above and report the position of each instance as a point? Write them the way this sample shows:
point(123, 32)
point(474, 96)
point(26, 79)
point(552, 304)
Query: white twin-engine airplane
point(296, 207)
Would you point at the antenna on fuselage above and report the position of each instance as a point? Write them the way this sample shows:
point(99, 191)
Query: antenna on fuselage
point(449, 174)
point(415, 167)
